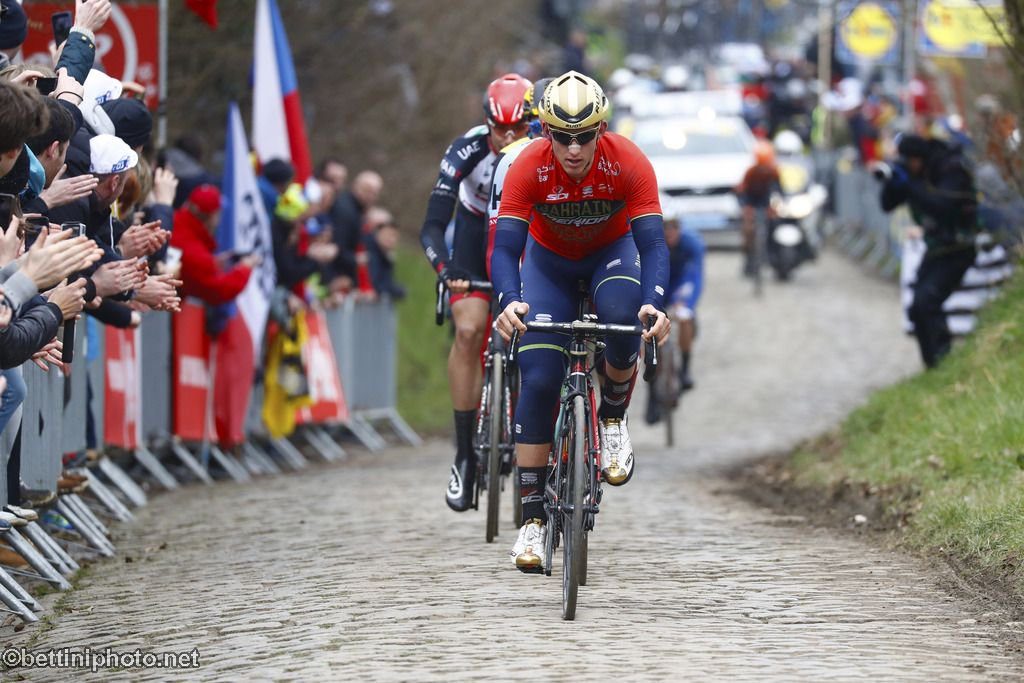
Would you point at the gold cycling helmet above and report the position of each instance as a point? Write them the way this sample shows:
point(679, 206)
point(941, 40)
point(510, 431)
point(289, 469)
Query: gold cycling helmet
point(573, 102)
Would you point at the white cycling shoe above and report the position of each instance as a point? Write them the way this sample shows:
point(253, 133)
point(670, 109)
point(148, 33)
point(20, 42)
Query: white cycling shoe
point(528, 552)
point(616, 452)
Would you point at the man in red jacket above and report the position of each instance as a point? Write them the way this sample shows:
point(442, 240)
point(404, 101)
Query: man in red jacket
point(202, 271)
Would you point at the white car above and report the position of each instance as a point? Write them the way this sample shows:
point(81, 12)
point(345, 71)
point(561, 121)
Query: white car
point(698, 161)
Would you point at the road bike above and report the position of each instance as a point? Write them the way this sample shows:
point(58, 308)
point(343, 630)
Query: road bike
point(493, 438)
point(572, 493)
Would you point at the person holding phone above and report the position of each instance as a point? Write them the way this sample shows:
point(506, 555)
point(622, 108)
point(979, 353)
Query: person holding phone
point(78, 52)
point(195, 225)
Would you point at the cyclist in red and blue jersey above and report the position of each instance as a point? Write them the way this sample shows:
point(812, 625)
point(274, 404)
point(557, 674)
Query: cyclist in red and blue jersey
point(463, 186)
point(579, 205)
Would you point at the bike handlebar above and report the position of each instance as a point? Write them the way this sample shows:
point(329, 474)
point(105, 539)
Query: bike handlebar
point(589, 329)
point(474, 286)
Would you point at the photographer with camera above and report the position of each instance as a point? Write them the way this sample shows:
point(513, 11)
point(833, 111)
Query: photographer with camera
point(937, 185)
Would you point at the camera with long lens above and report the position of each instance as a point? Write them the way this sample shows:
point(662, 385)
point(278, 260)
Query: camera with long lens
point(881, 171)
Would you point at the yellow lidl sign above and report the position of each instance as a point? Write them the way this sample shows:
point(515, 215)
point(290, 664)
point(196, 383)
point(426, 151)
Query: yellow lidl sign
point(961, 27)
point(868, 31)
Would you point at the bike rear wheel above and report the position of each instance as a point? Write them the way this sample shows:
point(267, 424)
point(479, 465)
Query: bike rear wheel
point(496, 420)
point(573, 535)
point(760, 247)
point(666, 388)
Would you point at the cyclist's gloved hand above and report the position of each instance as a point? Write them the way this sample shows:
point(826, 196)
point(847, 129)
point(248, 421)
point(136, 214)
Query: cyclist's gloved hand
point(661, 326)
point(511, 319)
point(455, 278)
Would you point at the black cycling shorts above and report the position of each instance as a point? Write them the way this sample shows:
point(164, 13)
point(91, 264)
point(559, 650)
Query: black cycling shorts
point(469, 244)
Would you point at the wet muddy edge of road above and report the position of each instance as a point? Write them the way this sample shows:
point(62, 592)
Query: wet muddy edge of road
point(767, 481)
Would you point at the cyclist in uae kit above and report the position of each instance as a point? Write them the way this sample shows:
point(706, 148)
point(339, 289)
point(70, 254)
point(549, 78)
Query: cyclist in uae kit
point(463, 186)
point(504, 160)
point(580, 204)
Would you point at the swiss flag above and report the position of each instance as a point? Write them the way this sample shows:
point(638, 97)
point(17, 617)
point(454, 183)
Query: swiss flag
point(205, 10)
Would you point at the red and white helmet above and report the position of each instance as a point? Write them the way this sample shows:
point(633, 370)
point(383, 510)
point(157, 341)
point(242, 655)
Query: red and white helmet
point(505, 101)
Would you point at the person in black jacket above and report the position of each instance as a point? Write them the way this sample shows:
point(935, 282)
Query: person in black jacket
point(36, 325)
point(347, 217)
point(381, 243)
point(50, 148)
point(937, 185)
point(295, 265)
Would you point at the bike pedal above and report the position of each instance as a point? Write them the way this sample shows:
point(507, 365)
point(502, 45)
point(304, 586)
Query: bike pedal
point(532, 570)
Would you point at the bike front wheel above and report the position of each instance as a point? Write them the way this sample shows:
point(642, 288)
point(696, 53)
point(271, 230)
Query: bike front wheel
point(573, 534)
point(496, 423)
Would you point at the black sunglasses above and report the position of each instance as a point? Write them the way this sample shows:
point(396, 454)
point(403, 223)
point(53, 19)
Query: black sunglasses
point(581, 138)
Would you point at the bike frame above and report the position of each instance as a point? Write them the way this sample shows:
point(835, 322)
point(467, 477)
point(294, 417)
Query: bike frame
point(578, 382)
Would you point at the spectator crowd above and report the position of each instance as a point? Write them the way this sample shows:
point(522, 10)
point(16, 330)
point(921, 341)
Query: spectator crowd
point(96, 222)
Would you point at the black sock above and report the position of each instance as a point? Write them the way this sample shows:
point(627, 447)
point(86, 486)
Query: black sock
point(531, 488)
point(684, 370)
point(615, 397)
point(465, 425)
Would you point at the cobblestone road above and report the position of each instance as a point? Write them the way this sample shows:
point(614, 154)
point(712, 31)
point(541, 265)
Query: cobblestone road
point(359, 572)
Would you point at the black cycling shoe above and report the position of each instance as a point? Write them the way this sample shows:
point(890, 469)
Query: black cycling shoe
point(685, 382)
point(461, 486)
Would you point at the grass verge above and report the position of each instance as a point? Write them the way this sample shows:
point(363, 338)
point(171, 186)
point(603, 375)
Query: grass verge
point(940, 456)
point(423, 398)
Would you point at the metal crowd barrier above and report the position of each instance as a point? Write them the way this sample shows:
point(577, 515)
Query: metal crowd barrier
point(71, 415)
point(865, 232)
point(365, 341)
point(42, 428)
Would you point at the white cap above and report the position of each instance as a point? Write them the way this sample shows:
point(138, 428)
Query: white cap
point(110, 154)
point(99, 87)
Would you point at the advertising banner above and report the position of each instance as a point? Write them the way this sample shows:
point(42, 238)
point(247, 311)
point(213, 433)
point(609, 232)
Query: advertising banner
point(122, 418)
point(329, 405)
point(127, 47)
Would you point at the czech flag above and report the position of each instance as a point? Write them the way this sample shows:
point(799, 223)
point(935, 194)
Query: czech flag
point(244, 229)
point(278, 128)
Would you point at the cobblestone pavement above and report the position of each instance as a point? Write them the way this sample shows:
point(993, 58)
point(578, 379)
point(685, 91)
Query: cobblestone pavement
point(359, 572)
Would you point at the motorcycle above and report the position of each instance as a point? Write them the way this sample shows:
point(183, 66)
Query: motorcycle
point(791, 240)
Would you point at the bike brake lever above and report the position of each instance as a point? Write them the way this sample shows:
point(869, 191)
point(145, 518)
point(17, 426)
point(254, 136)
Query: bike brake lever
point(439, 306)
point(512, 346)
point(651, 353)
